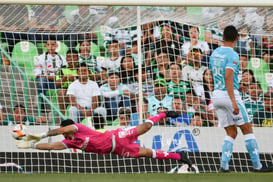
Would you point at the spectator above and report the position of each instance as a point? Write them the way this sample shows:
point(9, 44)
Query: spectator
point(124, 36)
point(239, 17)
point(188, 46)
point(207, 87)
point(214, 34)
point(247, 78)
point(113, 62)
point(160, 99)
point(134, 54)
point(245, 42)
point(65, 76)
point(193, 104)
point(127, 69)
point(244, 61)
point(197, 120)
point(13, 19)
point(115, 95)
point(145, 114)
point(19, 117)
point(183, 119)
point(47, 18)
point(267, 56)
point(97, 121)
point(83, 95)
point(46, 68)
point(147, 86)
point(181, 31)
point(162, 64)
point(176, 86)
point(267, 40)
point(194, 73)
point(82, 19)
point(168, 42)
point(264, 117)
point(254, 100)
point(90, 60)
point(124, 117)
point(206, 98)
point(151, 32)
point(46, 21)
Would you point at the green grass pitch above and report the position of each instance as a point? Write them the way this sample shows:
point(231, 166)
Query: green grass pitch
point(208, 177)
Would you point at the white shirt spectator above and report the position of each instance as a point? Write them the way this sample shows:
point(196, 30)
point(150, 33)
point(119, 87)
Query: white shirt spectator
point(84, 92)
point(107, 92)
point(201, 44)
point(195, 77)
point(111, 65)
point(49, 65)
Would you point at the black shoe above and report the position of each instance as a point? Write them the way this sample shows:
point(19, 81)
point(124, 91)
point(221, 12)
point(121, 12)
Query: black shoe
point(184, 158)
point(172, 114)
point(222, 170)
point(264, 169)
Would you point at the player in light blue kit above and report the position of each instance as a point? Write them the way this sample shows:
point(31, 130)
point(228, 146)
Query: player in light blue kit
point(231, 112)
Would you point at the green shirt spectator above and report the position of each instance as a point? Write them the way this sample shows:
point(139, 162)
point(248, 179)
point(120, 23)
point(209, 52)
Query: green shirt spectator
point(19, 117)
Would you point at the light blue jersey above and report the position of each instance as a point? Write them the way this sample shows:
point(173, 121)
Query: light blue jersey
point(154, 104)
point(221, 59)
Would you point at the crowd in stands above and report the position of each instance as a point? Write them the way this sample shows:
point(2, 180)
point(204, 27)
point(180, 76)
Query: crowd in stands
point(105, 83)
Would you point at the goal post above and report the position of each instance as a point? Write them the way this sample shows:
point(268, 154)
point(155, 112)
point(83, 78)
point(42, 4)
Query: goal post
point(150, 46)
point(191, 3)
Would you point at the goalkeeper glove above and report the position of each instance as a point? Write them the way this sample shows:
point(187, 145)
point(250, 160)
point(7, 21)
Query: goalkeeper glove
point(37, 137)
point(21, 144)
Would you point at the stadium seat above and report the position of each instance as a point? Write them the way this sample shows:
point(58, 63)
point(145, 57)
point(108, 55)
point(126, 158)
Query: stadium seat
point(62, 48)
point(260, 69)
point(24, 54)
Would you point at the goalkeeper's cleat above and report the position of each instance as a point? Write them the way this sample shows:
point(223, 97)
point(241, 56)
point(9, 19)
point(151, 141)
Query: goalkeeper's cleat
point(264, 169)
point(172, 114)
point(222, 170)
point(184, 158)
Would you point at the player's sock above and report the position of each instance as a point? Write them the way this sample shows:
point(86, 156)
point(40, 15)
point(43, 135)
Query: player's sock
point(227, 149)
point(156, 118)
point(160, 154)
point(253, 150)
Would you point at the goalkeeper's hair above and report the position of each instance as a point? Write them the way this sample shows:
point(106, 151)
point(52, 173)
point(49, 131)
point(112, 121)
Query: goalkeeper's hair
point(67, 122)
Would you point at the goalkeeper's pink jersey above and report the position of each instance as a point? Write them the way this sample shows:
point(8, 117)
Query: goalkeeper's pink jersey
point(90, 140)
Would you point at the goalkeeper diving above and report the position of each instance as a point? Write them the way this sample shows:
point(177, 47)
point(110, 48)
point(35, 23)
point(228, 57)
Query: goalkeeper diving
point(119, 141)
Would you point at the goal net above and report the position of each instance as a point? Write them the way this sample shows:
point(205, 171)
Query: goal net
point(141, 61)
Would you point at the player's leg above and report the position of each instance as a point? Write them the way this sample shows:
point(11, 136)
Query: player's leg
point(160, 154)
point(251, 145)
point(143, 128)
point(227, 147)
point(223, 109)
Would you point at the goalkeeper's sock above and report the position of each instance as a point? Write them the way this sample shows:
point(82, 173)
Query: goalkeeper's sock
point(253, 150)
point(156, 118)
point(227, 149)
point(160, 154)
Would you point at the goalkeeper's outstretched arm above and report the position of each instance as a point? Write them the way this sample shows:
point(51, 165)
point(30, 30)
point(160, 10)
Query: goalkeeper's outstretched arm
point(22, 144)
point(30, 140)
point(37, 137)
